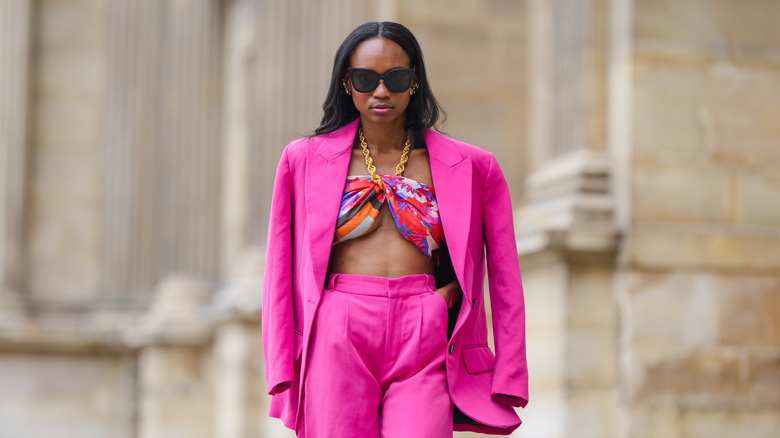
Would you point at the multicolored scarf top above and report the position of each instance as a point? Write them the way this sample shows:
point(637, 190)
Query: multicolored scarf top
point(412, 203)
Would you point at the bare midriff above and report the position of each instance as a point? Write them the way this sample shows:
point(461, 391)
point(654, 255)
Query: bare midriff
point(383, 251)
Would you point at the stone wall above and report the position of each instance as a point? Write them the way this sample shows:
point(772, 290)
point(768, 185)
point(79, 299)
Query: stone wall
point(73, 395)
point(680, 332)
point(699, 282)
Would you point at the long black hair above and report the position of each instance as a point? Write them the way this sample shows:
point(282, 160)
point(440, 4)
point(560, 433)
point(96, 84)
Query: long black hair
point(423, 111)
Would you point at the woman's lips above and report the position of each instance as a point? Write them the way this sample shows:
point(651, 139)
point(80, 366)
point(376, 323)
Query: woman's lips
point(381, 109)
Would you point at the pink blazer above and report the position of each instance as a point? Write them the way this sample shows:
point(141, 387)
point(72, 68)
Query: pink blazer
point(476, 213)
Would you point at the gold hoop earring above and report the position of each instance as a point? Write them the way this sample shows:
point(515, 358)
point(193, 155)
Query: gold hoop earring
point(346, 89)
point(413, 89)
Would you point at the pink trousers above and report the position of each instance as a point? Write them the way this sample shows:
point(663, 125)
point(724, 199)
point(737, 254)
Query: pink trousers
point(376, 360)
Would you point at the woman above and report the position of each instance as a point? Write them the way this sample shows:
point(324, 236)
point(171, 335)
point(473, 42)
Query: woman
point(367, 217)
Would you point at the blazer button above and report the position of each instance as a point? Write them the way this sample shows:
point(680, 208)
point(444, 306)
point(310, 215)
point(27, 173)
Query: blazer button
point(452, 348)
point(474, 303)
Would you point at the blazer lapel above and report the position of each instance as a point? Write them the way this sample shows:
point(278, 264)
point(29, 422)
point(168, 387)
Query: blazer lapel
point(326, 172)
point(452, 176)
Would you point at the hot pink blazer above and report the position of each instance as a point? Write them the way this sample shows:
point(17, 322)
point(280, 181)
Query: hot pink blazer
point(476, 213)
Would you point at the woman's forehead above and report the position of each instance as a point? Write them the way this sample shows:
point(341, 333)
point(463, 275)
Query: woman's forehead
point(379, 54)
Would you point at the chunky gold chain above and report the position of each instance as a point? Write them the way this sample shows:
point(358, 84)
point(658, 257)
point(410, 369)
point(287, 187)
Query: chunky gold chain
point(399, 169)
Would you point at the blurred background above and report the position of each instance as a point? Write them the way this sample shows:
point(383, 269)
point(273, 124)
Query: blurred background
point(139, 141)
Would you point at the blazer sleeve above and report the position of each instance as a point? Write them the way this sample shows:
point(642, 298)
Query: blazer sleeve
point(510, 378)
point(277, 328)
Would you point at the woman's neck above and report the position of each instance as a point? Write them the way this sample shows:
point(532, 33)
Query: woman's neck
point(386, 137)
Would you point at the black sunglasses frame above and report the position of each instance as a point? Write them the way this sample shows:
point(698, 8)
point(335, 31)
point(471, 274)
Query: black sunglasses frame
point(377, 77)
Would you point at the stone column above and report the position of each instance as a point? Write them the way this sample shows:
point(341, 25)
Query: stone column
point(189, 142)
point(242, 233)
point(161, 144)
point(130, 146)
point(15, 58)
point(571, 45)
point(540, 88)
point(566, 231)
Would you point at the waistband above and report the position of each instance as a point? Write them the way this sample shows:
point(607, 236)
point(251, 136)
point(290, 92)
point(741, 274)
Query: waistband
point(382, 286)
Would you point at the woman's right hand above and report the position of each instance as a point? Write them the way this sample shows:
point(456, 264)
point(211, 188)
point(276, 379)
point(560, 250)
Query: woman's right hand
point(451, 293)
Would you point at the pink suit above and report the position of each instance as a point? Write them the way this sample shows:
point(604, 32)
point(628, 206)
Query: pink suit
point(476, 213)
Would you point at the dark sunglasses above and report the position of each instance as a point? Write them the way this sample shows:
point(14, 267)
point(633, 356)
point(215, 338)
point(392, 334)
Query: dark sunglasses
point(396, 80)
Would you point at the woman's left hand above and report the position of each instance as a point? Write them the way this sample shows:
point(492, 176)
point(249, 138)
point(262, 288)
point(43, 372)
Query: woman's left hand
point(451, 293)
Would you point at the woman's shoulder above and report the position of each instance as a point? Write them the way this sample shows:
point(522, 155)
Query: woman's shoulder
point(436, 139)
point(304, 143)
point(298, 148)
point(326, 143)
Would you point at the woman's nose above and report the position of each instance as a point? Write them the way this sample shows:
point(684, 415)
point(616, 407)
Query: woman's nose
point(381, 90)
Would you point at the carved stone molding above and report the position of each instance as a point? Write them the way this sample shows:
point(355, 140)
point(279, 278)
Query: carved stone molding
point(570, 207)
point(175, 315)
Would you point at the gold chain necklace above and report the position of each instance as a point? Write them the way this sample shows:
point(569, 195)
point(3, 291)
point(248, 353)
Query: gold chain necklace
point(399, 169)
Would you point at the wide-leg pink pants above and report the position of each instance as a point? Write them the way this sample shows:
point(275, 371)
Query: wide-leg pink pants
point(376, 360)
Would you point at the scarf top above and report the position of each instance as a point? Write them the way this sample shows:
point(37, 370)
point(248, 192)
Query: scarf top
point(412, 204)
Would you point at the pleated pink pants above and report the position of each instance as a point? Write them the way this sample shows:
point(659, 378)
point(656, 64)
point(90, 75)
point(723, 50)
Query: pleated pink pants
point(376, 360)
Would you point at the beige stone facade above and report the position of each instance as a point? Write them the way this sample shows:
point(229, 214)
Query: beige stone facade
point(138, 143)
